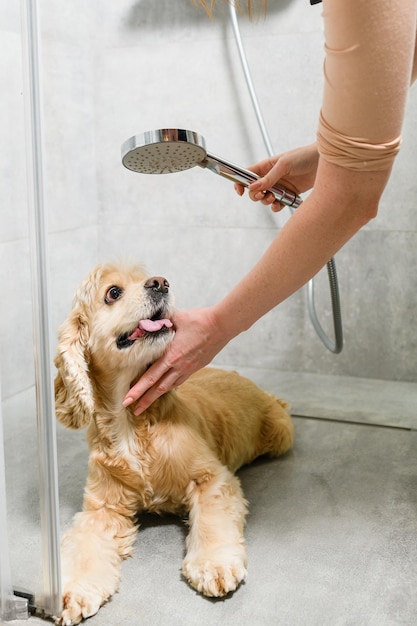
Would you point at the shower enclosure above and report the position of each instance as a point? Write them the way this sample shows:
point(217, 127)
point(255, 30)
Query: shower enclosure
point(16, 602)
point(77, 80)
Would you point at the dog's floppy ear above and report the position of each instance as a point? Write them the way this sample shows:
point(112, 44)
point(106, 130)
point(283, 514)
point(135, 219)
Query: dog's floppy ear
point(74, 404)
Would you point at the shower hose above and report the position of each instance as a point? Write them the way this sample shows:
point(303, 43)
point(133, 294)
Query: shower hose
point(334, 345)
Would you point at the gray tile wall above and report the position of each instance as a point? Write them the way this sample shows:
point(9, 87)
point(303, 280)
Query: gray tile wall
point(67, 42)
point(113, 69)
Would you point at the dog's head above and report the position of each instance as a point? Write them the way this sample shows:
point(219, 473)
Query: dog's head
point(119, 324)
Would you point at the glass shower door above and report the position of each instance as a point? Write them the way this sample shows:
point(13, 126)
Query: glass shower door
point(11, 607)
point(29, 514)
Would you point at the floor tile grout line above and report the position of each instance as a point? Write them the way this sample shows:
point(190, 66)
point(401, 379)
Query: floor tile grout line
point(353, 422)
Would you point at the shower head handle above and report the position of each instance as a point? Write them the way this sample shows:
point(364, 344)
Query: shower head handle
point(245, 177)
point(169, 150)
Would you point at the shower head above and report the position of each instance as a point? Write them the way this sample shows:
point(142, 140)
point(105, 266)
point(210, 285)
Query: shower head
point(169, 150)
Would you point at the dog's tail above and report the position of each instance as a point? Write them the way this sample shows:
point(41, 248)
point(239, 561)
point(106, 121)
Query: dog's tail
point(277, 434)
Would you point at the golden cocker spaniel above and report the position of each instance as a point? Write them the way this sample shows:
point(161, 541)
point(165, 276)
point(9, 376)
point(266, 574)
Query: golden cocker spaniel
point(178, 457)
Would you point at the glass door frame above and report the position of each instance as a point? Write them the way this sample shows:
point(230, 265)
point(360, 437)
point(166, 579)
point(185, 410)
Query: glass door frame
point(49, 601)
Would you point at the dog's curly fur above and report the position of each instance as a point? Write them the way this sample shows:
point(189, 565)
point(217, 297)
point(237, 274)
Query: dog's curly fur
point(178, 457)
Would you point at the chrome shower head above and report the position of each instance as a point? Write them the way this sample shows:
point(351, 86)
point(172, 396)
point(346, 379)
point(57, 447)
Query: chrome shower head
point(163, 151)
point(171, 150)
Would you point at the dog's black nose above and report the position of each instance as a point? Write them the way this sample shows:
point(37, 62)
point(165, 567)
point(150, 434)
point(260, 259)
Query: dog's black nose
point(157, 283)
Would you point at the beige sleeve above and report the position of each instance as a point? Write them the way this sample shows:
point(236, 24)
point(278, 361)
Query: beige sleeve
point(370, 48)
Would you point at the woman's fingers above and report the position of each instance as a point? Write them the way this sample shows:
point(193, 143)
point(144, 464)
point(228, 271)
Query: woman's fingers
point(164, 384)
point(198, 338)
point(152, 384)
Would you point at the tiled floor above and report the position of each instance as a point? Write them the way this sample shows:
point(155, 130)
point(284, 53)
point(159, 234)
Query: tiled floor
point(332, 527)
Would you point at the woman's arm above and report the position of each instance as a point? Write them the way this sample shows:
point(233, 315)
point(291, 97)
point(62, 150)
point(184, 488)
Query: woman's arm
point(340, 204)
point(369, 60)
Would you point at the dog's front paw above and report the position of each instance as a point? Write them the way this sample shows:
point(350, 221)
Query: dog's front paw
point(217, 573)
point(79, 604)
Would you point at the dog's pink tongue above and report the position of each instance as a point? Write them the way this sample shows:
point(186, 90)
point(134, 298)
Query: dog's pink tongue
point(149, 326)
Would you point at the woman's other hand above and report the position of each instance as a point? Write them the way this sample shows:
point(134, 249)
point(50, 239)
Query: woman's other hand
point(198, 338)
point(296, 170)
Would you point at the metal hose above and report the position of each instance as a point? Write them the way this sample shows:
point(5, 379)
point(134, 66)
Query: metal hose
point(335, 345)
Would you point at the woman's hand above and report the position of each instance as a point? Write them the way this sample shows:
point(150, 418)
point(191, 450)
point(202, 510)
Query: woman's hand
point(198, 338)
point(295, 170)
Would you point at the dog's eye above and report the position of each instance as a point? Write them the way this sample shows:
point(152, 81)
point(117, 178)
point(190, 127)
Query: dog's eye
point(113, 294)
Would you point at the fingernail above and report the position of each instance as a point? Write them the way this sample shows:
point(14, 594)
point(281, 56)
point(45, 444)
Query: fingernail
point(127, 401)
point(259, 195)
